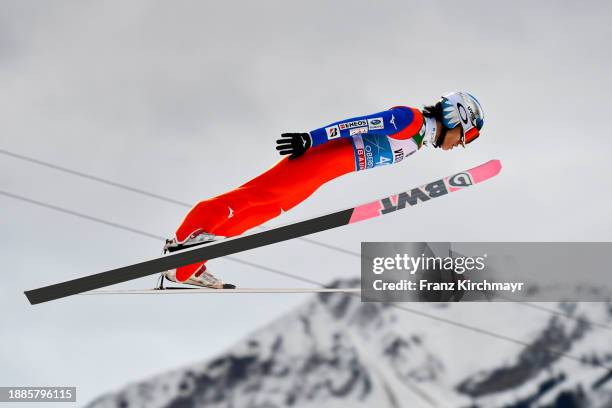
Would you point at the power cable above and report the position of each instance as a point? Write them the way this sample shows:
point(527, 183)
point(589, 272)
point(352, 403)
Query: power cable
point(395, 305)
point(184, 204)
point(143, 192)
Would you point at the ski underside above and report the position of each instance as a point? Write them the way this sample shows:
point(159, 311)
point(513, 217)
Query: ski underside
point(386, 205)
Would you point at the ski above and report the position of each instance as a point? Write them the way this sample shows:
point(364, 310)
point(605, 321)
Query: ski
point(178, 290)
point(242, 243)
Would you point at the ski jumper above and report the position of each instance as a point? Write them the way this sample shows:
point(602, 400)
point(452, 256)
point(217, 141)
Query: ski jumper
point(350, 145)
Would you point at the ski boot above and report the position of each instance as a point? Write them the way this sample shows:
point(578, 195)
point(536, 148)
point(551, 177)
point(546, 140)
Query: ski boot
point(201, 277)
point(199, 237)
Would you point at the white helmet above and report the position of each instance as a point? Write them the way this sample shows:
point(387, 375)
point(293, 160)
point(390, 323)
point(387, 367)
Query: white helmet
point(462, 108)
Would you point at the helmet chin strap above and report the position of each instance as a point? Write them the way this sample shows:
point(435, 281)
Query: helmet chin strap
point(431, 127)
point(440, 140)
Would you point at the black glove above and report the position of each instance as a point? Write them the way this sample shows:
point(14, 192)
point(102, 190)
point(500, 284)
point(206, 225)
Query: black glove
point(294, 144)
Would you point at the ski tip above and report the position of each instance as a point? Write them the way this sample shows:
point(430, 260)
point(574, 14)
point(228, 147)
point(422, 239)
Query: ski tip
point(495, 164)
point(486, 170)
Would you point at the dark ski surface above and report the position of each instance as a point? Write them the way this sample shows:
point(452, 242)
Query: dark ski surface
point(241, 243)
point(186, 257)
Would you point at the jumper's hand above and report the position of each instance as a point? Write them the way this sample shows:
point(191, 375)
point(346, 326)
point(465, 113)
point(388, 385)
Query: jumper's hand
point(294, 144)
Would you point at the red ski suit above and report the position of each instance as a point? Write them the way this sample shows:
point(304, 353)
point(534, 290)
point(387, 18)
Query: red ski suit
point(342, 147)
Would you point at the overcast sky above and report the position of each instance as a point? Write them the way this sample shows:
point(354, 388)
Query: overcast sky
point(186, 98)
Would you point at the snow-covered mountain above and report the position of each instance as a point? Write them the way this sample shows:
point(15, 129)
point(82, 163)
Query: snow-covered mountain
point(335, 351)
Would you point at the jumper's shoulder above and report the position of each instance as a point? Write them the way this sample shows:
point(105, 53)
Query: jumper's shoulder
point(407, 121)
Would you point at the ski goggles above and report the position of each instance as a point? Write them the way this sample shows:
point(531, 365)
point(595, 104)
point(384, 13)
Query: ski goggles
point(471, 136)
